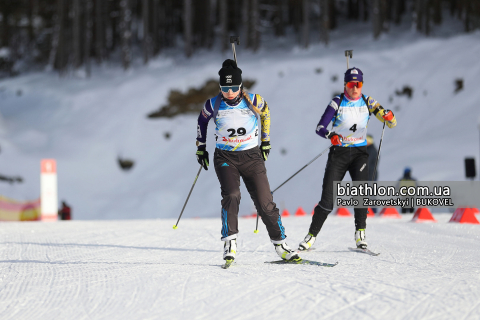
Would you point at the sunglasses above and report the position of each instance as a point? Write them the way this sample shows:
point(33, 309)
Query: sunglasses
point(233, 88)
point(351, 85)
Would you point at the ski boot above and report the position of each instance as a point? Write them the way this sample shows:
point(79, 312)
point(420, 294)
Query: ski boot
point(284, 251)
point(360, 239)
point(230, 249)
point(307, 243)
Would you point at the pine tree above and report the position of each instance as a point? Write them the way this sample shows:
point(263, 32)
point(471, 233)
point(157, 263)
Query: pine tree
point(126, 32)
point(187, 27)
point(77, 36)
point(88, 35)
point(306, 23)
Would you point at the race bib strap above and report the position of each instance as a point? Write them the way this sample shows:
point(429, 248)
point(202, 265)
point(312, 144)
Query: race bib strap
point(218, 100)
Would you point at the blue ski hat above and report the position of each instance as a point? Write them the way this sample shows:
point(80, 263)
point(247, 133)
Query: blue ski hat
point(407, 170)
point(353, 74)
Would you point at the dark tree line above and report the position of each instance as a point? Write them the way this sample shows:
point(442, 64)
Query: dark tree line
point(70, 34)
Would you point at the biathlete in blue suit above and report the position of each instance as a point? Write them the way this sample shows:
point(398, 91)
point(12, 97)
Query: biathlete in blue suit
point(350, 113)
point(237, 155)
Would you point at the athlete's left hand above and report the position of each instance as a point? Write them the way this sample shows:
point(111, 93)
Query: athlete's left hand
point(265, 147)
point(388, 115)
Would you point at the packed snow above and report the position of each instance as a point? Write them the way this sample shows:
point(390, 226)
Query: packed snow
point(143, 269)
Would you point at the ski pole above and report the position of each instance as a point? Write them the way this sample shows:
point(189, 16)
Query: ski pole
point(303, 168)
point(195, 181)
point(348, 53)
point(378, 154)
point(256, 228)
point(234, 39)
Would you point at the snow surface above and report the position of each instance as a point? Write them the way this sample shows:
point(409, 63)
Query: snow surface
point(143, 269)
point(85, 124)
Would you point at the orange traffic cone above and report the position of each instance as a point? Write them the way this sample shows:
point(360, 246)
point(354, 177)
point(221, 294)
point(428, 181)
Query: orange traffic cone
point(300, 212)
point(343, 212)
point(423, 214)
point(370, 213)
point(285, 213)
point(389, 212)
point(464, 215)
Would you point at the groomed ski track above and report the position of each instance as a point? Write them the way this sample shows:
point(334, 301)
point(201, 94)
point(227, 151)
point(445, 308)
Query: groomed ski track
point(146, 270)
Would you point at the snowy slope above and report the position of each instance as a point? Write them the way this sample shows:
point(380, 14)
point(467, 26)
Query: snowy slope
point(86, 123)
point(143, 269)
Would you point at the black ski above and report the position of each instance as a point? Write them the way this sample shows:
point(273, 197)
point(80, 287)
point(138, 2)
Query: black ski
point(303, 261)
point(360, 250)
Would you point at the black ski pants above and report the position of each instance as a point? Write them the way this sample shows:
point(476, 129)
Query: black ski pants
point(340, 160)
point(248, 164)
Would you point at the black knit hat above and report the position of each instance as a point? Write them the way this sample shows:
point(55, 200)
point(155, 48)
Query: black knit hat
point(230, 74)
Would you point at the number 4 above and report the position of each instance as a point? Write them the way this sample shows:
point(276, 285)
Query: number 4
point(353, 128)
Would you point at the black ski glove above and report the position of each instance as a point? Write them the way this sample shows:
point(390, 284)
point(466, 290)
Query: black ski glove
point(202, 157)
point(265, 147)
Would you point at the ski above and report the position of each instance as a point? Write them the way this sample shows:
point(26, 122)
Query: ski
point(308, 250)
point(227, 264)
point(303, 261)
point(364, 251)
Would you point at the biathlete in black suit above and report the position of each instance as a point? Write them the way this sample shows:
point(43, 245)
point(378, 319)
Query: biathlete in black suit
point(237, 155)
point(350, 113)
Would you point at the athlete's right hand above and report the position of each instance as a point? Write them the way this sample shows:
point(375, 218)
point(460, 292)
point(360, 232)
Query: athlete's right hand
point(335, 138)
point(202, 157)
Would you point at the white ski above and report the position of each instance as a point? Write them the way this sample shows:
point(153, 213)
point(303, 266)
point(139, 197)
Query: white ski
point(367, 251)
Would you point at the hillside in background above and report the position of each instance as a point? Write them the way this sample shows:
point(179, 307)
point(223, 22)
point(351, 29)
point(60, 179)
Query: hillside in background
point(87, 124)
